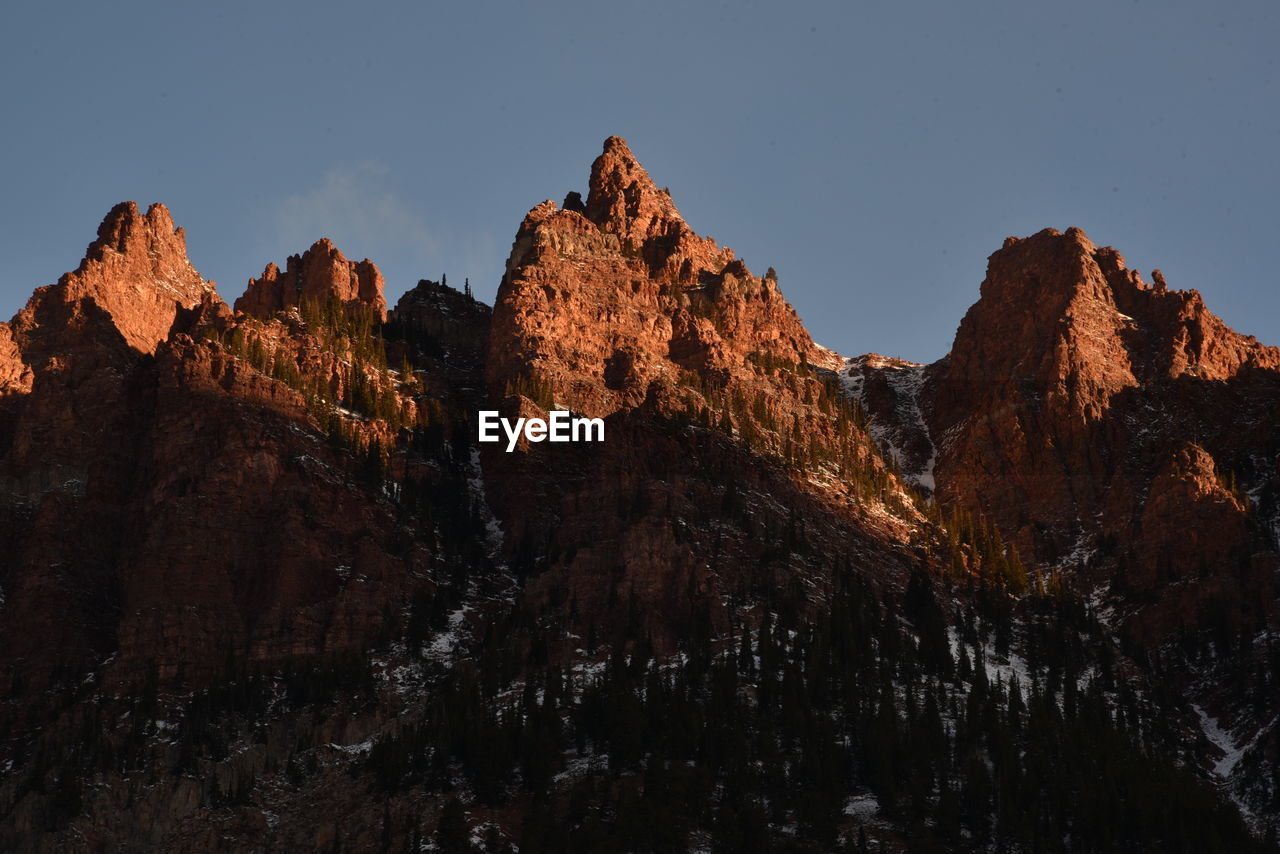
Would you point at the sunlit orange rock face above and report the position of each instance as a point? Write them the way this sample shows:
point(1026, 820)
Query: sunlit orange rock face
point(1074, 388)
point(614, 307)
point(136, 272)
point(602, 302)
point(15, 374)
point(320, 274)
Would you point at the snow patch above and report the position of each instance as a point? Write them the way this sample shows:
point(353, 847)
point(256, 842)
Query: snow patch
point(446, 647)
point(1225, 742)
point(862, 806)
point(355, 749)
point(906, 379)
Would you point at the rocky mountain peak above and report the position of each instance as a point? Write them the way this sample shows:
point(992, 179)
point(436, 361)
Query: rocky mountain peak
point(138, 251)
point(624, 200)
point(125, 230)
point(1070, 382)
point(597, 305)
point(319, 274)
point(1046, 324)
point(124, 296)
point(1072, 315)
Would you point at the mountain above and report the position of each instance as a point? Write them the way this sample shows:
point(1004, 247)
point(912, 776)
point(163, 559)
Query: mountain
point(263, 588)
point(1124, 438)
point(703, 374)
point(317, 275)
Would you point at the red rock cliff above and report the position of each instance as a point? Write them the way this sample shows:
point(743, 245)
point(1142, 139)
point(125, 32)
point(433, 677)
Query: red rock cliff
point(319, 274)
point(617, 308)
point(1098, 418)
point(601, 303)
point(136, 272)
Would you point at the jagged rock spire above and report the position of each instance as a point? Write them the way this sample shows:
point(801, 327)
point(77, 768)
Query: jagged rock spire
point(136, 271)
point(318, 274)
point(623, 199)
point(599, 303)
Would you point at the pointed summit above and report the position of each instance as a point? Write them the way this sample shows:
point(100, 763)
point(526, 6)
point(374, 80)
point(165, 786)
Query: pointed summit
point(319, 274)
point(603, 305)
point(624, 200)
point(137, 251)
point(1070, 313)
point(127, 231)
point(136, 271)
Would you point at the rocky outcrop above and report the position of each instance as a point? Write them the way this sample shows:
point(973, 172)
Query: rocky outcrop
point(616, 308)
point(136, 273)
point(1190, 521)
point(319, 275)
point(1061, 397)
point(447, 324)
point(240, 546)
point(624, 201)
point(15, 374)
point(601, 304)
point(135, 404)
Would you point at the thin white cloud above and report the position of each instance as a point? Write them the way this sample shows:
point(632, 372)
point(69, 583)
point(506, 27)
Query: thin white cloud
point(355, 207)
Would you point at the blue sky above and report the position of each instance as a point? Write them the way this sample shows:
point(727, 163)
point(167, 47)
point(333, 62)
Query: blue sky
point(873, 153)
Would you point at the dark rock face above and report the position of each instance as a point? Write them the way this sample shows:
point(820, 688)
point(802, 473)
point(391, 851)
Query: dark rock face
point(452, 326)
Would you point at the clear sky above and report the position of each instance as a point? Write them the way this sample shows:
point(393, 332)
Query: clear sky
point(874, 153)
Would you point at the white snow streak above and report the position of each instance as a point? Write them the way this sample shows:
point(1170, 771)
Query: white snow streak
point(1224, 741)
point(906, 379)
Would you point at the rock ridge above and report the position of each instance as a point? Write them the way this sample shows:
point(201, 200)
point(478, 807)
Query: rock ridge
point(319, 274)
point(603, 303)
point(136, 271)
